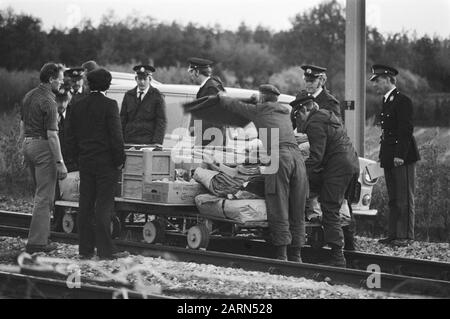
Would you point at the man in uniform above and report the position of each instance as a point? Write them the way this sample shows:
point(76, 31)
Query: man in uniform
point(315, 78)
point(143, 112)
point(200, 71)
point(332, 165)
point(76, 77)
point(94, 138)
point(286, 188)
point(42, 152)
point(398, 154)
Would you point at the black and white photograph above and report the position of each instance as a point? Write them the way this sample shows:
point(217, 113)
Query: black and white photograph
point(226, 158)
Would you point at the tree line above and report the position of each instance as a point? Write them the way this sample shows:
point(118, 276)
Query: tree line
point(246, 57)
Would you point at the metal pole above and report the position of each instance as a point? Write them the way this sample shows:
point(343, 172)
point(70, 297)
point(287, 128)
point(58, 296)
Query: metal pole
point(355, 72)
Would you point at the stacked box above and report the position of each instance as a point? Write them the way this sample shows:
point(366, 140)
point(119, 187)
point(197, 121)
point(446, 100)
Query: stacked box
point(172, 192)
point(141, 165)
point(157, 165)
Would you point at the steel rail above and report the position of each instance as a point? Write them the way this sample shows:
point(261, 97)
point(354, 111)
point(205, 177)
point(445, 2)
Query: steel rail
point(20, 285)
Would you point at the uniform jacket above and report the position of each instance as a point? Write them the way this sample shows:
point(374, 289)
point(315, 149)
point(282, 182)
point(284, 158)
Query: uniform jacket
point(397, 138)
point(144, 122)
point(331, 151)
point(211, 87)
point(328, 102)
point(94, 133)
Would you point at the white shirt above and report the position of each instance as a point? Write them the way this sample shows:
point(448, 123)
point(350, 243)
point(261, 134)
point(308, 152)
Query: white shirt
point(143, 95)
point(204, 82)
point(316, 94)
point(387, 94)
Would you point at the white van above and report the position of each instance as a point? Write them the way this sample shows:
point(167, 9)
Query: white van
point(177, 94)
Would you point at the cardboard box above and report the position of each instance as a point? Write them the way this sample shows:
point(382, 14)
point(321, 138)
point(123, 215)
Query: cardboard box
point(172, 192)
point(157, 165)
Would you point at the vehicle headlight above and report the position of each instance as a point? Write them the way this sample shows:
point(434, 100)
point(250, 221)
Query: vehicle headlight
point(366, 200)
point(367, 180)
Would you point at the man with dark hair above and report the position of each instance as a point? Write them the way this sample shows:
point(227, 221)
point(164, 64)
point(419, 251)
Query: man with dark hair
point(286, 182)
point(87, 67)
point(332, 166)
point(143, 112)
point(94, 138)
point(315, 78)
point(398, 154)
point(200, 71)
point(42, 152)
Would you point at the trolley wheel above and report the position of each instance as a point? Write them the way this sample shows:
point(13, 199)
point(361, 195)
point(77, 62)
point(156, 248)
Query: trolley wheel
point(317, 238)
point(198, 236)
point(154, 231)
point(116, 227)
point(68, 223)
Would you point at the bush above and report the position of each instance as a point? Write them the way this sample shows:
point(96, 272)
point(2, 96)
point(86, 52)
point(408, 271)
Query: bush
point(13, 175)
point(14, 86)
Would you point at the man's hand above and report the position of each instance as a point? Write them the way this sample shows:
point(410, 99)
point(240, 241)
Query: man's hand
point(120, 167)
point(398, 162)
point(61, 170)
point(301, 138)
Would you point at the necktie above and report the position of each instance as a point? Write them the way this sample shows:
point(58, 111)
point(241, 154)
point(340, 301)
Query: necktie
point(140, 96)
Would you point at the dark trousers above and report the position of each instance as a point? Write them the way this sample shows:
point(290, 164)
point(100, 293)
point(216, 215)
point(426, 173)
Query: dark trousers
point(97, 191)
point(332, 190)
point(400, 183)
point(286, 192)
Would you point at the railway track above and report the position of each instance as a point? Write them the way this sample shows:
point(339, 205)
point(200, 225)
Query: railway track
point(257, 248)
point(19, 285)
point(398, 284)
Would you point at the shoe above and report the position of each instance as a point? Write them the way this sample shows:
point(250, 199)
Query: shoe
point(31, 249)
point(281, 252)
point(120, 254)
point(86, 256)
point(336, 258)
point(386, 241)
point(295, 254)
point(399, 242)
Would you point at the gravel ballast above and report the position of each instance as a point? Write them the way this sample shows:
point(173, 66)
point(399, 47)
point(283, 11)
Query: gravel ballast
point(156, 275)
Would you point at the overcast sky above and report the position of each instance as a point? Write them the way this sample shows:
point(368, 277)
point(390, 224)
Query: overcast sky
point(430, 17)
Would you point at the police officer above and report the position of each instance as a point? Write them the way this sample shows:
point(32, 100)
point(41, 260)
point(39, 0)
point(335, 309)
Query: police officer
point(315, 78)
point(286, 184)
point(332, 165)
point(143, 112)
point(398, 154)
point(200, 71)
point(77, 90)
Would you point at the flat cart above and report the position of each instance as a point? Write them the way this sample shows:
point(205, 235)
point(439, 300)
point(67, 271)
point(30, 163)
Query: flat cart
point(157, 220)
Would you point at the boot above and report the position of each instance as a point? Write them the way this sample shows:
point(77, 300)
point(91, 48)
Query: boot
point(337, 258)
point(295, 254)
point(281, 252)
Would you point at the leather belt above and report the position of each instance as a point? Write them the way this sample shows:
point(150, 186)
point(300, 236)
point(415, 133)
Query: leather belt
point(29, 138)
